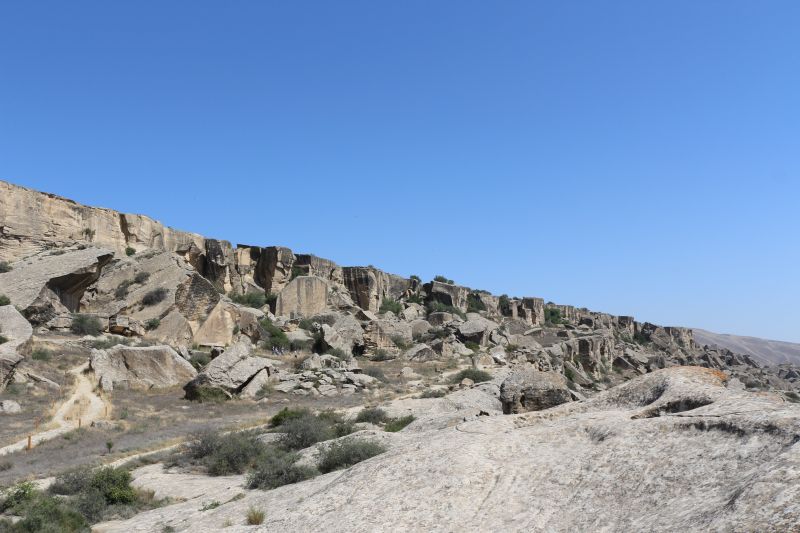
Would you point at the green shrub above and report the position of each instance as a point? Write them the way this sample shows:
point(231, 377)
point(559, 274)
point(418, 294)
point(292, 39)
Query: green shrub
point(400, 342)
point(286, 414)
point(200, 359)
point(122, 289)
point(373, 415)
point(277, 469)
point(474, 346)
point(339, 455)
point(114, 484)
point(71, 482)
point(256, 300)
point(86, 325)
point(304, 431)
point(552, 316)
point(41, 354)
point(415, 298)
point(382, 355)
point(415, 277)
point(152, 324)
point(47, 515)
point(390, 305)
point(4, 300)
point(569, 373)
point(275, 336)
point(223, 455)
point(206, 394)
point(477, 376)
point(18, 496)
point(155, 296)
point(255, 516)
point(474, 303)
point(141, 277)
point(443, 279)
point(396, 424)
point(297, 271)
point(504, 304)
point(129, 251)
point(3, 339)
point(91, 504)
point(439, 307)
point(376, 373)
point(306, 324)
point(433, 393)
point(5, 266)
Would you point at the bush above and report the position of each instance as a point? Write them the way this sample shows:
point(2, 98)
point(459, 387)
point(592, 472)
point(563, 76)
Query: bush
point(141, 277)
point(86, 325)
point(305, 431)
point(287, 414)
point(474, 303)
point(415, 277)
point(4, 300)
point(504, 304)
point(3, 339)
point(474, 346)
point(206, 394)
point(275, 335)
point(18, 496)
point(341, 455)
point(443, 279)
point(373, 415)
point(114, 484)
point(256, 300)
point(396, 424)
point(199, 360)
point(71, 482)
point(400, 342)
point(122, 289)
point(477, 376)
point(255, 516)
point(390, 305)
point(152, 324)
point(552, 316)
point(415, 298)
point(376, 373)
point(40, 354)
point(382, 355)
point(5, 267)
point(129, 251)
point(223, 455)
point(47, 514)
point(155, 296)
point(297, 271)
point(277, 469)
point(439, 307)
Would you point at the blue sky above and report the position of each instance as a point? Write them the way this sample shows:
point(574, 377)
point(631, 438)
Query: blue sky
point(632, 157)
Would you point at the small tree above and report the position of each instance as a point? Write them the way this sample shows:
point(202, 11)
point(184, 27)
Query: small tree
point(129, 251)
point(109, 445)
point(86, 325)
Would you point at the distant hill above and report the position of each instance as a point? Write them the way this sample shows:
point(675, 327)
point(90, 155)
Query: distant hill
point(763, 350)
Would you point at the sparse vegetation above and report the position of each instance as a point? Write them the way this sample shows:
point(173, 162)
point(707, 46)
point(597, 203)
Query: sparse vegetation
point(569, 373)
point(200, 359)
point(297, 271)
point(41, 354)
point(474, 303)
point(286, 414)
point(223, 455)
point(155, 296)
point(278, 468)
point(388, 305)
point(255, 516)
point(552, 316)
point(474, 346)
point(477, 376)
point(130, 251)
point(345, 454)
point(3, 339)
point(400, 342)
point(141, 277)
point(5, 266)
point(122, 289)
point(415, 298)
point(443, 279)
point(382, 355)
point(396, 424)
point(439, 307)
point(414, 277)
point(4, 300)
point(504, 304)
point(376, 373)
point(86, 325)
point(433, 393)
point(152, 324)
point(275, 336)
point(256, 300)
point(373, 415)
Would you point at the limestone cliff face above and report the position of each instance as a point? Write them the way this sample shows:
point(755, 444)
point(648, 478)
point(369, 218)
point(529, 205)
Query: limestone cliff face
point(32, 221)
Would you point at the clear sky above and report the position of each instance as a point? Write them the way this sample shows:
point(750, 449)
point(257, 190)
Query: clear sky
point(632, 157)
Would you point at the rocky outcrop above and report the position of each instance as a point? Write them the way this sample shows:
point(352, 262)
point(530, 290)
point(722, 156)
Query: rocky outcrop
point(368, 286)
point(229, 373)
point(447, 294)
point(304, 296)
point(527, 389)
point(17, 332)
point(144, 368)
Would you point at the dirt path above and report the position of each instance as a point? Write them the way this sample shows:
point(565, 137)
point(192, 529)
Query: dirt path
point(83, 404)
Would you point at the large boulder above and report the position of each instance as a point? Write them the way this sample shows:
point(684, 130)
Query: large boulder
point(345, 334)
point(447, 294)
point(9, 407)
point(304, 296)
point(526, 389)
point(476, 329)
point(368, 286)
point(229, 373)
point(143, 367)
point(17, 332)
